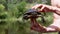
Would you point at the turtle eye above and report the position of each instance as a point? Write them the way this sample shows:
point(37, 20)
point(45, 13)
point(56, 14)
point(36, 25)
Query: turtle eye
point(25, 17)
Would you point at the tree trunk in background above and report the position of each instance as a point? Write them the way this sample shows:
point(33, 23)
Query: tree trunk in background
point(6, 6)
point(6, 31)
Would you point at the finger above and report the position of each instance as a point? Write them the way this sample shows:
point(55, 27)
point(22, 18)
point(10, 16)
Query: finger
point(37, 6)
point(42, 8)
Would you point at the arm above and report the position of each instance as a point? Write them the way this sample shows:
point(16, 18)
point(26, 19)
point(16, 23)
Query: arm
point(38, 27)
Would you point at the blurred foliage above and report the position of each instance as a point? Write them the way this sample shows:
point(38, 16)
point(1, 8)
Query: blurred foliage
point(11, 12)
point(1, 7)
point(21, 8)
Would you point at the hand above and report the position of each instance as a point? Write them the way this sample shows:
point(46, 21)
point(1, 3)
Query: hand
point(42, 7)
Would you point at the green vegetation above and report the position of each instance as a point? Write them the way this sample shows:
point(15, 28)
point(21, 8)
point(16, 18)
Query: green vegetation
point(11, 12)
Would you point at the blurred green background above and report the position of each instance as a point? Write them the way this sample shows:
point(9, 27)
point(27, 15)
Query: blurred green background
point(11, 13)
